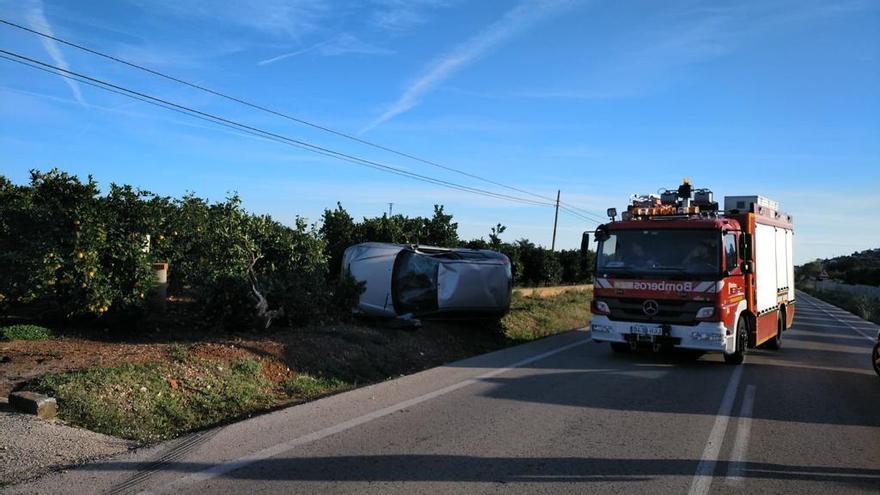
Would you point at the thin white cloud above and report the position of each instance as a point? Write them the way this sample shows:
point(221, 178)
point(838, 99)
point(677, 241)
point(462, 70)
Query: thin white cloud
point(36, 17)
point(514, 22)
point(403, 15)
point(278, 18)
point(342, 44)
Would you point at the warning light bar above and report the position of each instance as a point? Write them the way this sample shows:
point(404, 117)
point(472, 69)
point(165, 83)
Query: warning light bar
point(662, 210)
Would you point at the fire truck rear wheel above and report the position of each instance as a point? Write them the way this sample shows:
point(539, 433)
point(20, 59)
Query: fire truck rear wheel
point(742, 339)
point(776, 342)
point(620, 347)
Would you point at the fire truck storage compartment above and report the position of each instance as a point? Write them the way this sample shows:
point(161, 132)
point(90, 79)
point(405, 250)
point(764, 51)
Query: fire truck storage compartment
point(773, 251)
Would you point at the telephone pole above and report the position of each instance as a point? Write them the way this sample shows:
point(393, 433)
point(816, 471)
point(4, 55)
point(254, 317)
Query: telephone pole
point(555, 221)
point(390, 209)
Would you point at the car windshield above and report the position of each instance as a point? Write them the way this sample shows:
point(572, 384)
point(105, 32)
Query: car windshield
point(660, 253)
point(414, 283)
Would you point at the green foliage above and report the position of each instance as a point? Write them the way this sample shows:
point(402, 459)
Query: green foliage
point(495, 236)
point(66, 251)
point(310, 387)
point(861, 267)
point(25, 332)
point(141, 402)
point(346, 293)
point(863, 306)
point(69, 251)
point(534, 317)
point(540, 266)
point(339, 231)
point(535, 266)
point(439, 230)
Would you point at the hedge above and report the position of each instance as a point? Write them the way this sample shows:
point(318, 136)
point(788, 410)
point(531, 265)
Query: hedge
point(69, 251)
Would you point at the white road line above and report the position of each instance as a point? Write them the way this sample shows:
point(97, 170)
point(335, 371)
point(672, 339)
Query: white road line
point(736, 468)
point(851, 327)
point(278, 449)
point(703, 476)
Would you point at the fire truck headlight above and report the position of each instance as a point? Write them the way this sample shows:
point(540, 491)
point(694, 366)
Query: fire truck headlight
point(706, 312)
point(602, 307)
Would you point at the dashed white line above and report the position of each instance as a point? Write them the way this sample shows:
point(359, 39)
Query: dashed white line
point(817, 305)
point(703, 475)
point(736, 468)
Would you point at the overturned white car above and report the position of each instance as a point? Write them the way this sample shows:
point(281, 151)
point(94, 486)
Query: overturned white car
point(418, 281)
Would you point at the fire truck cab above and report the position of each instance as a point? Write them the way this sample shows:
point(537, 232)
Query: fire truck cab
point(678, 272)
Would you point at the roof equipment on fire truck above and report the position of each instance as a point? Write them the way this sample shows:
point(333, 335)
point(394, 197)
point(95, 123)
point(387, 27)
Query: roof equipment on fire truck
point(681, 201)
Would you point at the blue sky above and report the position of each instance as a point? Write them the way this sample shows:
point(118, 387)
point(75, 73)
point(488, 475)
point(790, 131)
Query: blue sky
point(599, 99)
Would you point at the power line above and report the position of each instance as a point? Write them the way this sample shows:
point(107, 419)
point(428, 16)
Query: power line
point(236, 129)
point(243, 128)
point(574, 209)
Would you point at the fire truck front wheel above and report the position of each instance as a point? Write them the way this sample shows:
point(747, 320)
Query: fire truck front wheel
point(742, 339)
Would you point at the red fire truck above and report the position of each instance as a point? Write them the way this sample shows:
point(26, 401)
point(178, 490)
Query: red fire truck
point(677, 271)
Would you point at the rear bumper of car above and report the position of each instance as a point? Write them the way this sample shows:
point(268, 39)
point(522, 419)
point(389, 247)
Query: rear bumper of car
point(704, 336)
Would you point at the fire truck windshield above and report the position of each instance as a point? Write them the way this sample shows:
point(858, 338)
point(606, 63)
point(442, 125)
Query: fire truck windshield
point(661, 253)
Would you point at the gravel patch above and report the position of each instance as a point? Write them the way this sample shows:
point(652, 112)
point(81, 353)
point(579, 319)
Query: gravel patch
point(30, 447)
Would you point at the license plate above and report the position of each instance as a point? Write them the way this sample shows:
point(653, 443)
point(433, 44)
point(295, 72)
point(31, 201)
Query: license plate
point(646, 330)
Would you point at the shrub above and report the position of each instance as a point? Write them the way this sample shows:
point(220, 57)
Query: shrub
point(863, 306)
point(25, 332)
point(539, 266)
point(65, 251)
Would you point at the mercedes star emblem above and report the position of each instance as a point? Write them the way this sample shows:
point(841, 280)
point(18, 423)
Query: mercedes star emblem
point(650, 307)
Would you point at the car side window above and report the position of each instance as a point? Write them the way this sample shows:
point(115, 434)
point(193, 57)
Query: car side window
point(730, 251)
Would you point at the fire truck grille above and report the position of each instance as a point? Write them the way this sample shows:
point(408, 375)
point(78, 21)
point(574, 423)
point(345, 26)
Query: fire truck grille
point(670, 311)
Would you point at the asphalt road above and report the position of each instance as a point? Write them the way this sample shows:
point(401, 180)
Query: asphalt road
point(561, 415)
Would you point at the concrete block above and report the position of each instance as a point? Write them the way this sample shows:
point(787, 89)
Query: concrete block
point(39, 405)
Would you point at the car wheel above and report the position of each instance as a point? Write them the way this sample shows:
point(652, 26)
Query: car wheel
point(619, 347)
point(876, 356)
point(742, 337)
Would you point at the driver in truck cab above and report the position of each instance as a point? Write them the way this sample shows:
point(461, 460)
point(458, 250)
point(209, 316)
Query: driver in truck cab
point(638, 257)
point(700, 256)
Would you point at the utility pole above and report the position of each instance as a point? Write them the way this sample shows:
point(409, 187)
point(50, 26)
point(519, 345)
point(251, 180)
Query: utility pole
point(555, 221)
point(390, 209)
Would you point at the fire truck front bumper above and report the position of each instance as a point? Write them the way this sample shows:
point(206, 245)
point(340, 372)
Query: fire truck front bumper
point(704, 336)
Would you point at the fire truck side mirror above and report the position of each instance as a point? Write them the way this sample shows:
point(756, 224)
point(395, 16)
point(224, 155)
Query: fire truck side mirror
point(745, 246)
point(585, 242)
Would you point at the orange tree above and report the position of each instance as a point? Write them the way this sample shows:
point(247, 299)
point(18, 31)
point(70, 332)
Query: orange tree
point(65, 251)
point(243, 269)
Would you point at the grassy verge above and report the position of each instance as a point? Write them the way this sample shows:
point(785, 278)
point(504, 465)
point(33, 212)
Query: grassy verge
point(535, 317)
point(203, 384)
point(865, 307)
point(25, 332)
point(154, 401)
